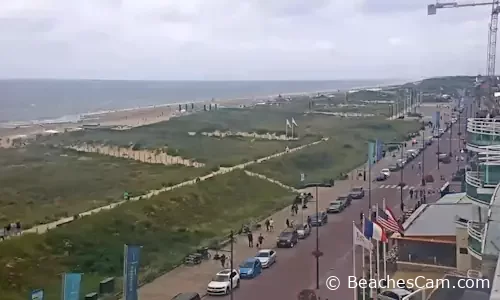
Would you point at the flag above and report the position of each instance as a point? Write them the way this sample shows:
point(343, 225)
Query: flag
point(374, 231)
point(294, 123)
point(288, 124)
point(359, 239)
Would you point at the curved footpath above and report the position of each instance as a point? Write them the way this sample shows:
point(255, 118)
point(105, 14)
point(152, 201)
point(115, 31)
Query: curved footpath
point(296, 267)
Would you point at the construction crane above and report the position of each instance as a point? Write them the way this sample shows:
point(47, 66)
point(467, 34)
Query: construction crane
point(492, 35)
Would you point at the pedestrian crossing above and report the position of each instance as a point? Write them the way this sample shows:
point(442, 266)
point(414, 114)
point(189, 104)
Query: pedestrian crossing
point(395, 186)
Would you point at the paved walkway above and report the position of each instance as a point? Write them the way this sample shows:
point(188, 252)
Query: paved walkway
point(196, 278)
point(40, 229)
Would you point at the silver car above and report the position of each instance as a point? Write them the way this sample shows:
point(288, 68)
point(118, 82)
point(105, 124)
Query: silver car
point(303, 230)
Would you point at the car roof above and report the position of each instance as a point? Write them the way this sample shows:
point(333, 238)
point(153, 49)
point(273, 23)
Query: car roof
point(264, 251)
point(224, 272)
point(288, 230)
point(250, 259)
point(399, 292)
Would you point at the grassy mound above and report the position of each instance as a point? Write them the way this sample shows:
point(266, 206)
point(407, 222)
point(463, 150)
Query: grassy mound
point(169, 226)
point(341, 153)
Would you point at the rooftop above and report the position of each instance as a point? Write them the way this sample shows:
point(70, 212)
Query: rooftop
point(438, 219)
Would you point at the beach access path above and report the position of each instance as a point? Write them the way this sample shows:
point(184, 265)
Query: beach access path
point(40, 229)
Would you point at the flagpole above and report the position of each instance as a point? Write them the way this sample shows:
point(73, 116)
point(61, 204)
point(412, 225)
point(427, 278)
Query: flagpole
point(292, 130)
point(384, 249)
point(363, 258)
point(354, 260)
point(371, 271)
point(378, 250)
point(286, 128)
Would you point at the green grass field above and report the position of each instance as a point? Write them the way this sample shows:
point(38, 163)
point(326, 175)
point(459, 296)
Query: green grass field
point(342, 153)
point(169, 226)
point(42, 184)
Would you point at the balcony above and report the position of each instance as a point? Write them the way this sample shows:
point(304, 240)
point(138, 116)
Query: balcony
point(475, 230)
point(482, 132)
point(477, 189)
point(474, 248)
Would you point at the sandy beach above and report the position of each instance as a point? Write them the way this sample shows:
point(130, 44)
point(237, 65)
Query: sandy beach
point(129, 118)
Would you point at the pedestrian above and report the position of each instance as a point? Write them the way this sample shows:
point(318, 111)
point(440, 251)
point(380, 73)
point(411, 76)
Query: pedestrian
point(402, 207)
point(260, 240)
point(287, 223)
point(293, 209)
point(361, 216)
point(250, 239)
point(268, 225)
point(223, 260)
point(412, 166)
point(411, 193)
point(271, 224)
point(296, 209)
point(309, 220)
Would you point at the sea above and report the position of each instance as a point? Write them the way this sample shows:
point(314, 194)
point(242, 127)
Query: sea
point(61, 101)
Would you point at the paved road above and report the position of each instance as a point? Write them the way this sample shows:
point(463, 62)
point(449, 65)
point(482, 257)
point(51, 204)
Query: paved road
point(296, 270)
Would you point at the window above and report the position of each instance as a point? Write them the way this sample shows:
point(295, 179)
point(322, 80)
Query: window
point(464, 251)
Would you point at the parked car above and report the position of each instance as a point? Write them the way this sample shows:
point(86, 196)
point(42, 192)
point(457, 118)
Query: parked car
point(336, 207)
point(303, 230)
point(386, 172)
point(357, 192)
point(393, 294)
point(250, 268)
point(394, 167)
point(221, 283)
point(267, 257)
point(187, 296)
point(319, 219)
point(347, 199)
point(288, 238)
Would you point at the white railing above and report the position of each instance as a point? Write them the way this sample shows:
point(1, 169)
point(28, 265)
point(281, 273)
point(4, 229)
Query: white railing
point(486, 126)
point(475, 230)
point(473, 178)
point(474, 252)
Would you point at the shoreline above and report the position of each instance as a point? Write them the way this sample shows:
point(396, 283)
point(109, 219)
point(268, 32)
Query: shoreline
point(127, 118)
point(84, 116)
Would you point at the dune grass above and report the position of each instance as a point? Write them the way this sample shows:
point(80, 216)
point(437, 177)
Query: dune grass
point(168, 226)
point(42, 184)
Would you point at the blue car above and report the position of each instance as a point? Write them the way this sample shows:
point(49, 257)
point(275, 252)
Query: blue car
point(250, 268)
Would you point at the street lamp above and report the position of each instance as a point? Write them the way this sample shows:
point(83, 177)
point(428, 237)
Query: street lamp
point(401, 183)
point(317, 253)
point(231, 262)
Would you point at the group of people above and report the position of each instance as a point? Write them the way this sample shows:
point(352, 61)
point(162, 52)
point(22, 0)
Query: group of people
point(10, 229)
point(260, 240)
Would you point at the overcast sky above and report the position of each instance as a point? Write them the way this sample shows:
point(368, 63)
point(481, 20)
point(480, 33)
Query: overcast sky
point(239, 39)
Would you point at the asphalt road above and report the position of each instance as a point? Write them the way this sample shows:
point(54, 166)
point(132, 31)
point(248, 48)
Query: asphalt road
point(295, 269)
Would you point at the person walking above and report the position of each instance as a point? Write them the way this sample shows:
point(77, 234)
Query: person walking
point(260, 240)
point(271, 224)
point(287, 223)
point(411, 193)
point(250, 239)
point(268, 225)
point(223, 260)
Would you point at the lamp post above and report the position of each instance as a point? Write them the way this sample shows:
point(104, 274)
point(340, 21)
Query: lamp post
point(401, 183)
point(231, 262)
point(317, 253)
point(423, 156)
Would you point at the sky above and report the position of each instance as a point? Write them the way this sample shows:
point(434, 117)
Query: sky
point(239, 39)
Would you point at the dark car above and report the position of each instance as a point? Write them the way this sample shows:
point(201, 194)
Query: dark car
point(288, 238)
point(357, 192)
point(319, 219)
point(381, 177)
point(394, 167)
point(346, 199)
point(336, 206)
point(187, 296)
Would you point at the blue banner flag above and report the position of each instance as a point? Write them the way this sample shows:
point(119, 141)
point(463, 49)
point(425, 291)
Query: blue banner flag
point(37, 295)
point(372, 153)
point(71, 286)
point(132, 254)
